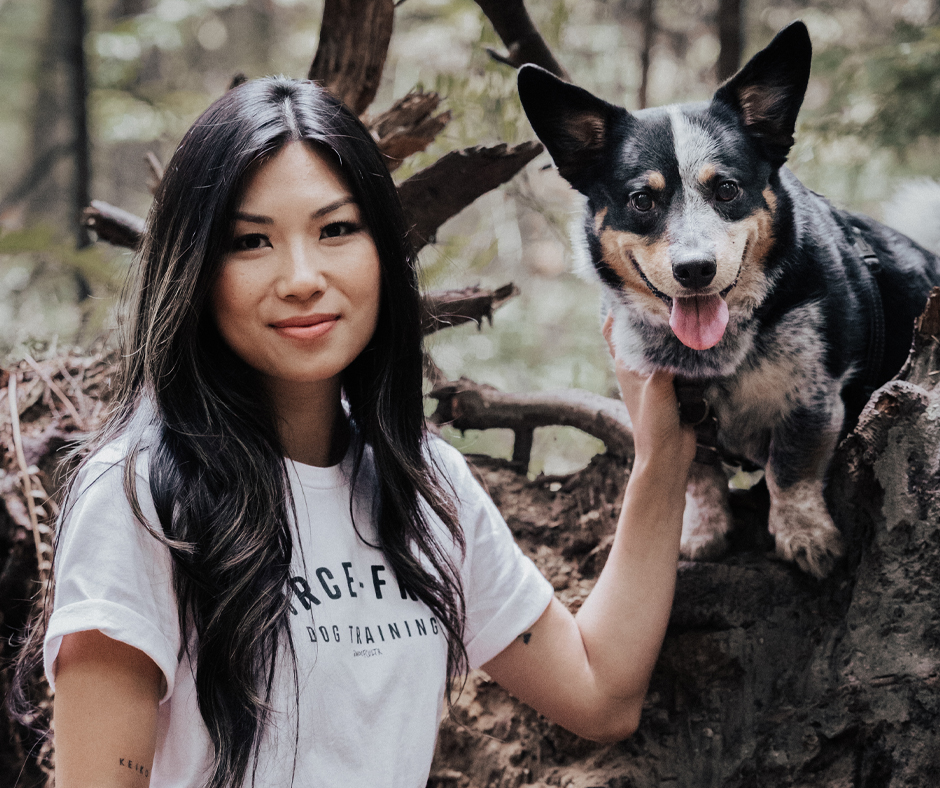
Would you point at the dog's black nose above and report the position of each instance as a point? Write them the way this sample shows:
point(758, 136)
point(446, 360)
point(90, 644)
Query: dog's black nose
point(694, 273)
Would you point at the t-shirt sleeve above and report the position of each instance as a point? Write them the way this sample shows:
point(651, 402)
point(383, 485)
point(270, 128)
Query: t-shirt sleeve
point(111, 573)
point(505, 593)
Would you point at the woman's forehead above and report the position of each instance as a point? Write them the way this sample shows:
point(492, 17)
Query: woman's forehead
point(298, 169)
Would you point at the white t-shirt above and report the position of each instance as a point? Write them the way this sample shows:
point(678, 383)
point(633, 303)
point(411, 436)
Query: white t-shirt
point(371, 661)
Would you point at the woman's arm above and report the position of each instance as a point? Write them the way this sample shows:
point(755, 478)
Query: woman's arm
point(589, 672)
point(105, 713)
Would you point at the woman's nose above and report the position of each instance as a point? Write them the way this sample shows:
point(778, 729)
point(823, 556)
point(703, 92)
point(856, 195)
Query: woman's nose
point(302, 274)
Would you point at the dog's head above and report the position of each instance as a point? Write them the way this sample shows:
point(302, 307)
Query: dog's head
point(681, 208)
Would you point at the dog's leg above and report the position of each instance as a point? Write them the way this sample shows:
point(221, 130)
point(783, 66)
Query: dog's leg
point(799, 458)
point(707, 517)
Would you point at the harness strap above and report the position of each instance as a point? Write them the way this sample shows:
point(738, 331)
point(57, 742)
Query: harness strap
point(876, 345)
point(695, 411)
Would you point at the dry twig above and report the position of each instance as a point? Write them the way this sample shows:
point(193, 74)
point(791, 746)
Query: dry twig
point(25, 480)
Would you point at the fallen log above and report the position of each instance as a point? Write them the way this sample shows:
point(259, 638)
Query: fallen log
point(466, 405)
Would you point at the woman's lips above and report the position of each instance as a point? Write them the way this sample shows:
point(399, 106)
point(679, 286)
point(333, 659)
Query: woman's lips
point(309, 327)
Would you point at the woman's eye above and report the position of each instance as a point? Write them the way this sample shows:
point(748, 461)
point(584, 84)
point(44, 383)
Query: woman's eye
point(641, 201)
point(727, 191)
point(338, 229)
point(250, 242)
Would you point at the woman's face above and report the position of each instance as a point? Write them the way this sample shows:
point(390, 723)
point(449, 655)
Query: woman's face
point(298, 294)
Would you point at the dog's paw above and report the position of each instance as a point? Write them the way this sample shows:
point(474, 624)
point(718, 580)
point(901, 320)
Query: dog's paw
point(707, 519)
point(804, 532)
point(814, 551)
point(702, 547)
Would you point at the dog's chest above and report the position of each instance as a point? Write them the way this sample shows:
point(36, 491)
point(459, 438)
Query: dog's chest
point(747, 408)
point(766, 389)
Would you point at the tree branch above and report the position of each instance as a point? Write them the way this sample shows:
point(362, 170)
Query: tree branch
point(441, 191)
point(515, 27)
point(466, 405)
point(408, 126)
point(156, 171)
point(923, 364)
point(454, 307)
point(354, 38)
point(114, 225)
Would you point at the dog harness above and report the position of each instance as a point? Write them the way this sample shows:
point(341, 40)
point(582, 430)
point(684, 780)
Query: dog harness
point(871, 267)
point(695, 411)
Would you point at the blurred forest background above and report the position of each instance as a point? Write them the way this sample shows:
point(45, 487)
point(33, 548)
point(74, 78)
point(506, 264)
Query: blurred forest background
point(871, 121)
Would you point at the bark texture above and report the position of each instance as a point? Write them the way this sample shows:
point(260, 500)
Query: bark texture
point(445, 188)
point(767, 677)
point(354, 38)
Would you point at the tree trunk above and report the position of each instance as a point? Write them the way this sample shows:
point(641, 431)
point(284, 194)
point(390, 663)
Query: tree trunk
point(72, 14)
point(648, 21)
point(59, 126)
point(730, 37)
point(354, 38)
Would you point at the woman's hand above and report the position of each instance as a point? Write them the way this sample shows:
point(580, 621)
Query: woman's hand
point(660, 439)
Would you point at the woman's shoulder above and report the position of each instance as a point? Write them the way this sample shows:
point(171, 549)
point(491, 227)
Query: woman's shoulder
point(102, 469)
point(446, 460)
point(116, 452)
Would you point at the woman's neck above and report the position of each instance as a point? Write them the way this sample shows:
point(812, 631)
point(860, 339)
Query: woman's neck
point(312, 426)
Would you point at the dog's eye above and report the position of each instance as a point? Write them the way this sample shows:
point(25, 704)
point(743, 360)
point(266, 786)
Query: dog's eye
point(726, 191)
point(641, 201)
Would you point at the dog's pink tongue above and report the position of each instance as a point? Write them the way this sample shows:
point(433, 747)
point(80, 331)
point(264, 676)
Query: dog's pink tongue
point(699, 322)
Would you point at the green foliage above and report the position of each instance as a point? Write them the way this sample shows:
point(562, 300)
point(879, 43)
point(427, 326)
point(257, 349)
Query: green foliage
point(19, 29)
point(905, 80)
point(52, 293)
point(888, 95)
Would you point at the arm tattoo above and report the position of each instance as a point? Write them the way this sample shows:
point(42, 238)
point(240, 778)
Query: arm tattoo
point(134, 766)
point(525, 637)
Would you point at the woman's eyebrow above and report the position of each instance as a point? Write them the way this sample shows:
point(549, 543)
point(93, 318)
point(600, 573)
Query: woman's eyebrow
point(252, 218)
point(348, 199)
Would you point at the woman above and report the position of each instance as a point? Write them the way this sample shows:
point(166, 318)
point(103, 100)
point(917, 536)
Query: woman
point(267, 572)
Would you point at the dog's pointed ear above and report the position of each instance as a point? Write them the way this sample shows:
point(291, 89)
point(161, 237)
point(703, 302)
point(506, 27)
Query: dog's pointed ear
point(573, 124)
point(768, 91)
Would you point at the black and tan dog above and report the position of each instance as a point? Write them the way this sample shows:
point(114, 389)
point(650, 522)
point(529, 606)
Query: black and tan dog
point(719, 265)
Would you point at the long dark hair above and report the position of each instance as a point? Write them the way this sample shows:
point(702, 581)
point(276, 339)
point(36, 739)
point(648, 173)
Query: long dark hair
point(217, 474)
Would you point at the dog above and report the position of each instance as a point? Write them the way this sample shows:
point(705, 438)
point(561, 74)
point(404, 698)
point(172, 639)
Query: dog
point(721, 267)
